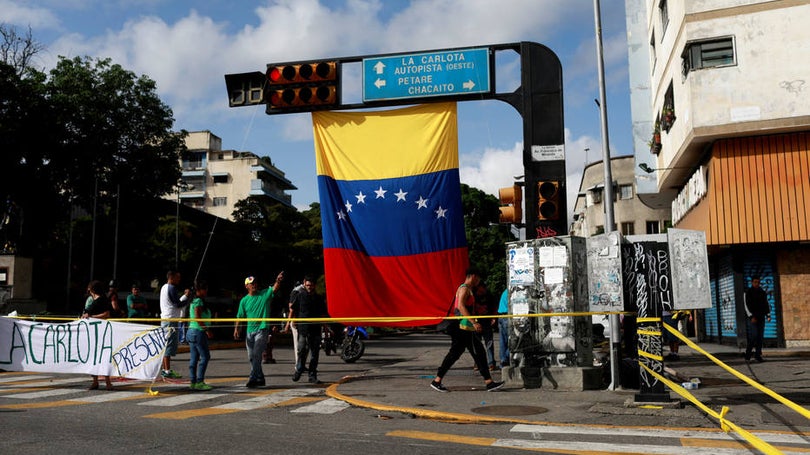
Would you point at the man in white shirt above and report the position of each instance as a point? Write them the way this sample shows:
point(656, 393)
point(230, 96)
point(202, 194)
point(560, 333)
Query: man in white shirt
point(171, 307)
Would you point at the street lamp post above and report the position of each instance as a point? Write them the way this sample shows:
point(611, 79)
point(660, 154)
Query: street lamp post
point(613, 320)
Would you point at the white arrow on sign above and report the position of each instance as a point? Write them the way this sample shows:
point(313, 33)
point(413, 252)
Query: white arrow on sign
point(469, 85)
point(379, 67)
point(379, 83)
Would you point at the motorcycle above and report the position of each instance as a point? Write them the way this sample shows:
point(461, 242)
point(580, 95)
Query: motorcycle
point(353, 346)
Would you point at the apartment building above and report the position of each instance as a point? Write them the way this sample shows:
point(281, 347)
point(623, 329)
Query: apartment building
point(214, 180)
point(721, 114)
point(630, 214)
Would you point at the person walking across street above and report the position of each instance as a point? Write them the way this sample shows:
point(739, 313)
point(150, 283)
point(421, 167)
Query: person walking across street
point(758, 310)
point(308, 304)
point(290, 326)
point(197, 336)
point(100, 308)
point(462, 336)
point(255, 307)
point(171, 307)
point(503, 329)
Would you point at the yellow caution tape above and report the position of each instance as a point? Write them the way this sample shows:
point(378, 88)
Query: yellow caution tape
point(725, 425)
point(804, 412)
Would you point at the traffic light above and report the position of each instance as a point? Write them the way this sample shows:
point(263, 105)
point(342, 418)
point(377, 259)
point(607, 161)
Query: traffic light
point(548, 200)
point(511, 210)
point(300, 87)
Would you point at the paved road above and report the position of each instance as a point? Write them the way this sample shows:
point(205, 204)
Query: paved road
point(377, 398)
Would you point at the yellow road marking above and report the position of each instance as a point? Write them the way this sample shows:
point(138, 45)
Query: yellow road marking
point(180, 415)
point(441, 437)
point(47, 404)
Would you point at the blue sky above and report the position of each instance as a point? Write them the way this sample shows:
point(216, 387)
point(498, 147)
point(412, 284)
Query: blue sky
point(188, 47)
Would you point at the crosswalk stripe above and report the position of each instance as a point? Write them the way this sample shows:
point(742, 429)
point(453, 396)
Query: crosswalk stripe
point(601, 447)
point(654, 432)
point(51, 383)
point(178, 400)
point(108, 396)
point(16, 378)
point(41, 394)
point(328, 406)
point(268, 400)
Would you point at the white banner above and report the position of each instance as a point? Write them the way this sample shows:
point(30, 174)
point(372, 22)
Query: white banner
point(91, 346)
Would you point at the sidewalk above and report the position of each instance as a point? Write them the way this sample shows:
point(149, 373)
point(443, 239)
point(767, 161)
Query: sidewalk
point(404, 387)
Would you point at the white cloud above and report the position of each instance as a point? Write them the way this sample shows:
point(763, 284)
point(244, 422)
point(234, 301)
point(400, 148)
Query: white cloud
point(25, 16)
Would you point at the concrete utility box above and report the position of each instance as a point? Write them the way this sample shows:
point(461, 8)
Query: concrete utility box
point(550, 276)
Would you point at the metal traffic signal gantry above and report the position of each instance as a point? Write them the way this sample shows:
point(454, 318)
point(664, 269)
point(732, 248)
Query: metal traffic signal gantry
point(302, 86)
point(511, 210)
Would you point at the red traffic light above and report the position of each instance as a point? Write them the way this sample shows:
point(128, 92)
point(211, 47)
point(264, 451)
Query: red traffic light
point(301, 87)
point(548, 200)
point(301, 73)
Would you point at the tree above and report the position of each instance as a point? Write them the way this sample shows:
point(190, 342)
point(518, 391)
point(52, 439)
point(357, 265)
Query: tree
point(486, 239)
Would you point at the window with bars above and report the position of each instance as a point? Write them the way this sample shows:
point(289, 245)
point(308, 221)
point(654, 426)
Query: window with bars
point(220, 201)
point(708, 54)
point(625, 191)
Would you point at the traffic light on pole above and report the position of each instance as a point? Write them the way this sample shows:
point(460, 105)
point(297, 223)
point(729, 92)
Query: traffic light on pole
point(548, 200)
point(511, 199)
point(302, 87)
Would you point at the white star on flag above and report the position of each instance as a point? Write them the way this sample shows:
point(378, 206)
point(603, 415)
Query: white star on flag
point(348, 206)
point(341, 215)
point(440, 212)
point(401, 195)
point(361, 198)
point(380, 193)
point(421, 203)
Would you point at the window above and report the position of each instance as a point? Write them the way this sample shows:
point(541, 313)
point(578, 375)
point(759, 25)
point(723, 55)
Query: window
point(220, 201)
point(594, 197)
point(667, 225)
point(625, 191)
point(220, 178)
point(628, 228)
point(653, 227)
point(599, 230)
point(653, 55)
point(667, 117)
point(709, 53)
point(662, 7)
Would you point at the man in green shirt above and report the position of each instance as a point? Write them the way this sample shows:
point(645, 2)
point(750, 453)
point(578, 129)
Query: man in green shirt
point(255, 307)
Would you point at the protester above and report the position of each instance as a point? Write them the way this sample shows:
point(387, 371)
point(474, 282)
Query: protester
point(197, 335)
point(503, 329)
point(171, 306)
point(291, 326)
point(137, 307)
point(119, 311)
point(255, 306)
point(99, 308)
point(308, 304)
point(462, 336)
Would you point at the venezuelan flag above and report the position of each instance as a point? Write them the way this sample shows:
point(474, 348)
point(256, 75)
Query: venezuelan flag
point(393, 227)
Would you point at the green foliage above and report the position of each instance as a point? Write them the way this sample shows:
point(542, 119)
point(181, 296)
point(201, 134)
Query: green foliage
point(486, 239)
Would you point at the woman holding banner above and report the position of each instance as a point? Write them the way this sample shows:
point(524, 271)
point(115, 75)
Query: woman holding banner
point(99, 308)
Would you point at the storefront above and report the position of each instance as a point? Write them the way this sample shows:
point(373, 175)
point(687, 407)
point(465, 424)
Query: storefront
point(752, 198)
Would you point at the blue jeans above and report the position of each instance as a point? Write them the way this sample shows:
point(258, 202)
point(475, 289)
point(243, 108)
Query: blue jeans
point(256, 343)
point(200, 354)
point(503, 333)
point(756, 337)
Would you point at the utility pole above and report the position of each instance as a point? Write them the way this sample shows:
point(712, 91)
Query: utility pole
point(613, 319)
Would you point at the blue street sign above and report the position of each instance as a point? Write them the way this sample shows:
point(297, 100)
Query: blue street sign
point(440, 73)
